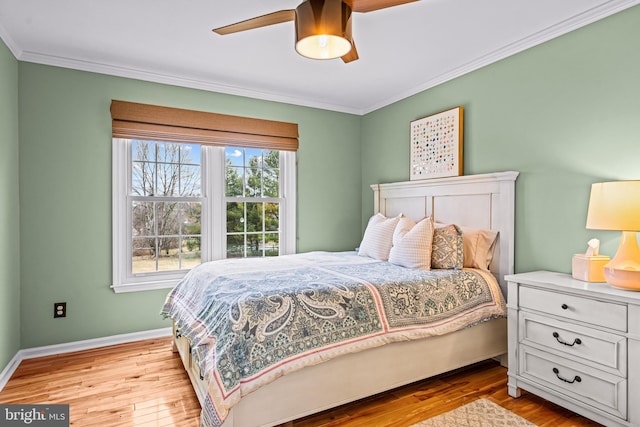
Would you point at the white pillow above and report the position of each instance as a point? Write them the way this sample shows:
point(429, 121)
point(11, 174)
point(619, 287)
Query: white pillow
point(378, 237)
point(412, 243)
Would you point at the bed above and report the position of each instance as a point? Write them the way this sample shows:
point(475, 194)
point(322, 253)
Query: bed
point(368, 361)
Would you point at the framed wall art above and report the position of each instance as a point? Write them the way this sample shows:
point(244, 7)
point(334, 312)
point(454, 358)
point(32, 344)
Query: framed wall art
point(436, 145)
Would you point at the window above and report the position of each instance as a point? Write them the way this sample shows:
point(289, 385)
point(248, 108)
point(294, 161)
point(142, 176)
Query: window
point(165, 205)
point(252, 189)
point(177, 204)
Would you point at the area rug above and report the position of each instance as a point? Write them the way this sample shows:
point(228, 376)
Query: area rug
point(479, 413)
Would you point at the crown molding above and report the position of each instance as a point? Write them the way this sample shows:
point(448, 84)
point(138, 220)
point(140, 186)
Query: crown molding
point(176, 80)
point(8, 41)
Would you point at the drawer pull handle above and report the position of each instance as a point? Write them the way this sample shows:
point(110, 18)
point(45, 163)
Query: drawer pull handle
point(178, 334)
point(201, 375)
point(575, 379)
point(575, 341)
point(564, 306)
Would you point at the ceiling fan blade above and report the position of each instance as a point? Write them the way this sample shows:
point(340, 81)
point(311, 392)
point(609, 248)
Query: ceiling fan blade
point(257, 22)
point(352, 55)
point(371, 5)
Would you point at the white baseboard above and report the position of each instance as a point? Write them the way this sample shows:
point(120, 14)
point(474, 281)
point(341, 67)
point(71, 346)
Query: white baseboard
point(49, 350)
point(9, 370)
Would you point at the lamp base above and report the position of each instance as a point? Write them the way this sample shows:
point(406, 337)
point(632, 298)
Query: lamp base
point(623, 271)
point(623, 279)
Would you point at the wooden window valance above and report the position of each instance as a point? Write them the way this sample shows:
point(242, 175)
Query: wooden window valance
point(141, 121)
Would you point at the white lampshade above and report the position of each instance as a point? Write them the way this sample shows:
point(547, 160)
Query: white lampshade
point(616, 206)
point(323, 47)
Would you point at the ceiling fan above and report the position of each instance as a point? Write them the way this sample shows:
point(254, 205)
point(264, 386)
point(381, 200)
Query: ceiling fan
point(323, 27)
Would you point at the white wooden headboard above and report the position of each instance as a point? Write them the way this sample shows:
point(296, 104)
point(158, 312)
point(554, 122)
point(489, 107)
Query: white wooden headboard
point(480, 201)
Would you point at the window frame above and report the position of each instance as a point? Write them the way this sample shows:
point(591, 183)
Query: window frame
point(213, 227)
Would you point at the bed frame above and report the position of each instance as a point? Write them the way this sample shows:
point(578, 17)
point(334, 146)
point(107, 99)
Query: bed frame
point(481, 201)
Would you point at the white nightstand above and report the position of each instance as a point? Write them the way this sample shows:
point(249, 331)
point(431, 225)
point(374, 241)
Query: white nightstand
point(576, 344)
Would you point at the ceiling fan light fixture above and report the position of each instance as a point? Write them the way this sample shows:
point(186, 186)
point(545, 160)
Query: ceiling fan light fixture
point(323, 29)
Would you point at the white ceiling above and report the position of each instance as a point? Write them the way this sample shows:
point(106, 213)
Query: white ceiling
point(403, 50)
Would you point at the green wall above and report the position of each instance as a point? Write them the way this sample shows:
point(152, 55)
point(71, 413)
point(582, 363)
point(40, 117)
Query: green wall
point(65, 192)
point(9, 209)
point(564, 114)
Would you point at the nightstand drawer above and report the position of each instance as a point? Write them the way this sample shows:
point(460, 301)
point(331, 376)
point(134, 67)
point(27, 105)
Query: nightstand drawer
point(599, 349)
point(595, 388)
point(601, 313)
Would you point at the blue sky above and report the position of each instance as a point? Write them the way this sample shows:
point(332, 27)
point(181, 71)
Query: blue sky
point(235, 155)
point(232, 153)
point(192, 149)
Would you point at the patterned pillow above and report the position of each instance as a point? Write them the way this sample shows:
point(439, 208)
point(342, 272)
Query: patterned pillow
point(412, 243)
point(447, 248)
point(378, 237)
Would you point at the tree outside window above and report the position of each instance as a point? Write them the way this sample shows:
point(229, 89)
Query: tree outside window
point(165, 206)
point(253, 202)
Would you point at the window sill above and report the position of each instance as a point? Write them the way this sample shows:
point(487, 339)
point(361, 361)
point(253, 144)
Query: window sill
point(119, 288)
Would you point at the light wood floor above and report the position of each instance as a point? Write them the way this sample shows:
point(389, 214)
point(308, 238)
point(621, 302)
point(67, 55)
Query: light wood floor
point(144, 384)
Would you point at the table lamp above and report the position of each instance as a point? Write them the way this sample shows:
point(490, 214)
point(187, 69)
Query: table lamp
point(616, 206)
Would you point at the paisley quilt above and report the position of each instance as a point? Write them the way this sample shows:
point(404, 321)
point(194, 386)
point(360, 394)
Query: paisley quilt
point(251, 321)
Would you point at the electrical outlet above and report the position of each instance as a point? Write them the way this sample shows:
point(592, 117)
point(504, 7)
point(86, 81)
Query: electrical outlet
point(60, 309)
